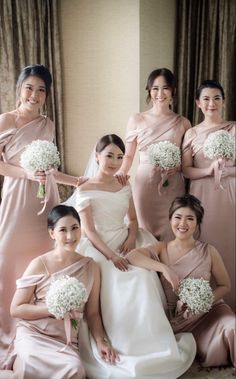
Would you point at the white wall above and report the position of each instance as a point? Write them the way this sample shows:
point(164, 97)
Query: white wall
point(108, 49)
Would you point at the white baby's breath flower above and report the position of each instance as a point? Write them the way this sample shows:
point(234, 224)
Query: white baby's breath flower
point(196, 294)
point(219, 144)
point(40, 155)
point(64, 295)
point(164, 154)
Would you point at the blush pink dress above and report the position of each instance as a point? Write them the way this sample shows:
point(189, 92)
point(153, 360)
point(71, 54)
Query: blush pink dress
point(219, 223)
point(23, 234)
point(214, 331)
point(39, 349)
point(152, 207)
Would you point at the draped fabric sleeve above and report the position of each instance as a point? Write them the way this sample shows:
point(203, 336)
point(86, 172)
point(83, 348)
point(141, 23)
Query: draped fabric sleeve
point(131, 135)
point(82, 201)
point(188, 139)
point(29, 281)
point(5, 137)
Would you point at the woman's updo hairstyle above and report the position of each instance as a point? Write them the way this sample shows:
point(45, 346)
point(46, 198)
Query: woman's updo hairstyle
point(209, 84)
point(110, 139)
point(60, 211)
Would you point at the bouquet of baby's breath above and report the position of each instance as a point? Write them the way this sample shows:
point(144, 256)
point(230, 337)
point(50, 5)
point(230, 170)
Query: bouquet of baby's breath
point(196, 294)
point(66, 294)
point(166, 155)
point(40, 155)
point(219, 144)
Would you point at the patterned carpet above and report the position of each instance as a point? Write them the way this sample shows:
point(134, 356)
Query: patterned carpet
point(198, 372)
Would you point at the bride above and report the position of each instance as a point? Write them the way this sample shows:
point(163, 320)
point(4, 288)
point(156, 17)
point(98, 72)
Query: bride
point(132, 299)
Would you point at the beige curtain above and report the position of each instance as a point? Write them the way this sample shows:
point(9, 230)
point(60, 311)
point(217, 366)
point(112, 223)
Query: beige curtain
point(205, 49)
point(29, 34)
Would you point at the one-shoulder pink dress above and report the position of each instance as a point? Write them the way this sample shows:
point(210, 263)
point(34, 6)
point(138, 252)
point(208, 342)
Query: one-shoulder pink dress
point(219, 222)
point(214, 331)
point(23, 233)
point(39, 349)
point(151, 206)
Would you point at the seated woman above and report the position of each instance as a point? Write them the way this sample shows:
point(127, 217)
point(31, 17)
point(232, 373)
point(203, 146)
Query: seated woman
point(214, 331)
point(40, 348)
point(131, 298)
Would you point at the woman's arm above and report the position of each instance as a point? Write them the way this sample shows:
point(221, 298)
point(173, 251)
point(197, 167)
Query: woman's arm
point(90, 230)
point(130, 149)
point(130, 242)
point(21, 306)
point(92, 313)
point(142, 258)
point(62, 178)
point(188, 168)
point(220, 275)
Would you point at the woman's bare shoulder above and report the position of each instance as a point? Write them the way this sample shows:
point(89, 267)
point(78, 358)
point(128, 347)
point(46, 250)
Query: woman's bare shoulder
point(7, 120)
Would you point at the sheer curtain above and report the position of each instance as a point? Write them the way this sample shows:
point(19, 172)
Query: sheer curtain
point(205, 49)
point(29, 34)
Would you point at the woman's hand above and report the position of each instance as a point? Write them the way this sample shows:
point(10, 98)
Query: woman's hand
point(120, 263)
point(106, 351)
point(171, 277)
point(39, 176)
point(122, 178)
point(81, 180)
point(171, 171)
point(128, 245)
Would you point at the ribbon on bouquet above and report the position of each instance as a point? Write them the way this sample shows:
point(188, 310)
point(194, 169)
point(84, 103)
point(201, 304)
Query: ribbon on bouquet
point(49, 175)
point(164, 177)
point(76, 314)
point(220, 164)
point(181, 307)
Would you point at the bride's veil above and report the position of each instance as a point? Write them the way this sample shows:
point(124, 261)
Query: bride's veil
point(90, 171)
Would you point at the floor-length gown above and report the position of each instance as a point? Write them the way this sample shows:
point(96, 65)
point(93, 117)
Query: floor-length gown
point(131, 303)
point(151, 206)
point(23, 233)
point(214, 331)
point(219, 223)
point(39, 350)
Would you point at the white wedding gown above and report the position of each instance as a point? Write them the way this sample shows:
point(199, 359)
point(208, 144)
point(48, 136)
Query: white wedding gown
point(131, 303)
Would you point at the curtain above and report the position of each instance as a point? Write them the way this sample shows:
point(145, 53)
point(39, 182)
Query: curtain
point(205, 48)
point(29, 34)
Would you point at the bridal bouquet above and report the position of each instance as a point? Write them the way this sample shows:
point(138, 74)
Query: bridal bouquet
point(165, 155)
point(196, 294)
point(64, 299)
point(40, 155)
point(219, 144)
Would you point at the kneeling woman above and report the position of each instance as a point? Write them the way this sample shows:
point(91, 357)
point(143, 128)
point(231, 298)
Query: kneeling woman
point(40, 348)
point(214, 331)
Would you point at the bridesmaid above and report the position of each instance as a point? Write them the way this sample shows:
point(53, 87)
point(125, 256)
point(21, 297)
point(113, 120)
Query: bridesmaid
point(40, 348)
point(219, 223)
point(214, 331)
point(157, 124)
point(23, 232)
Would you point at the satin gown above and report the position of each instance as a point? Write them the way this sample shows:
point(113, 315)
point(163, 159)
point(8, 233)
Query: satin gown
point(214, 331)
point(23, 234)
point(152, 207)
point(39, 350)
point(219, 223)
point(131, 303)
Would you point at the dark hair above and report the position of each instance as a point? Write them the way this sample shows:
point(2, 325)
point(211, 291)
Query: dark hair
point(34, 70)
point(107, 140)
point(60, 211)
point(188, 201)
point(169, 78)
point(209, 84)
